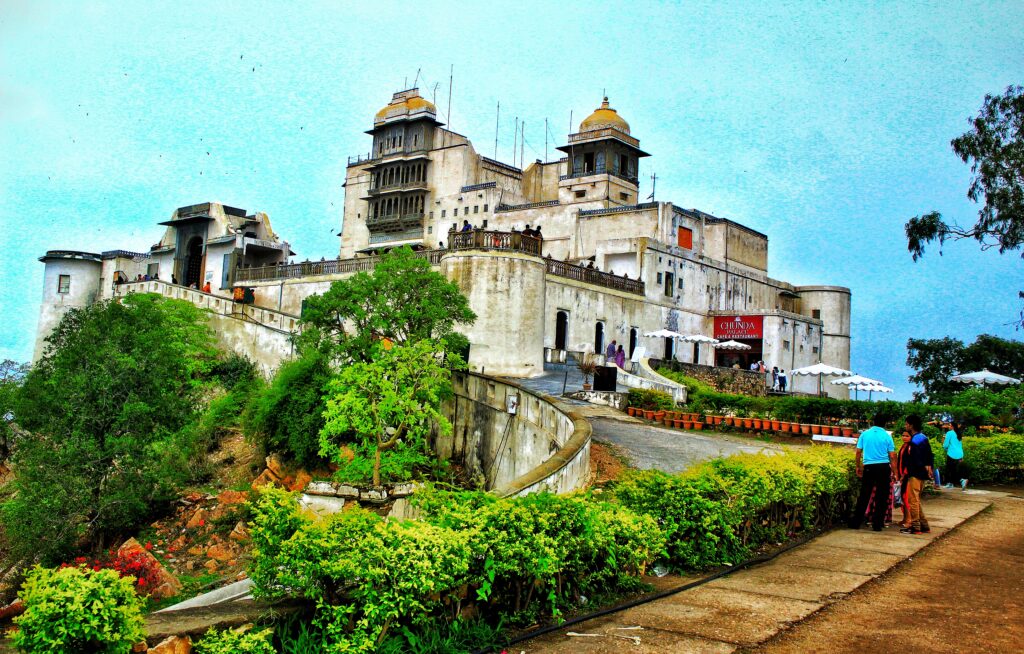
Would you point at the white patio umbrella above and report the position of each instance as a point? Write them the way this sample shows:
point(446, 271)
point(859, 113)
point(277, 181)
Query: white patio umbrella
point(858, 383)
point(872, 388)
point(699, 338)
point(821, 370)
point(663, 333)
point(731, 345)
point(984, 377)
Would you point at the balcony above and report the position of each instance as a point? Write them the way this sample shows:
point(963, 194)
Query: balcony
point(419, 185)
point(606, 133)
point(316, 268)
point(483, 239)
point(390, 237)
point(395, 222)
point(599, 170)
point(595, 277)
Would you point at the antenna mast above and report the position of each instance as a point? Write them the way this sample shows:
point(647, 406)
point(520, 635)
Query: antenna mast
point(545, 140)
point(522, 142)
point(497, 122)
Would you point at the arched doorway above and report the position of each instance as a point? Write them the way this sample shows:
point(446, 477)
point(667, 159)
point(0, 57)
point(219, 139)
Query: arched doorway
point(670, 349)
point(633, 336)
point(561, 330)
point(193, 267)
point(599, 337)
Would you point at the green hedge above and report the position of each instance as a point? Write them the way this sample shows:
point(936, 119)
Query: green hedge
point(650, 399)
point(993, 458)
point(523, 559)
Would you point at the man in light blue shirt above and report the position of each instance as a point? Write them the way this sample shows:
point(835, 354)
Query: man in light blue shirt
point(954, 455)
point(875, 458)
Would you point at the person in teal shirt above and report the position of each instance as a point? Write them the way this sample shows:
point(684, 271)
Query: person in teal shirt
point(875, 456)
point(954, 448)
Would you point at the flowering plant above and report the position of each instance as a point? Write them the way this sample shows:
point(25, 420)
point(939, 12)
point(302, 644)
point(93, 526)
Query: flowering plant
point(144, 569)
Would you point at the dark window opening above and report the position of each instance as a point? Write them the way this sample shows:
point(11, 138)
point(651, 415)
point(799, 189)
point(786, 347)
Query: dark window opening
point(561, 330)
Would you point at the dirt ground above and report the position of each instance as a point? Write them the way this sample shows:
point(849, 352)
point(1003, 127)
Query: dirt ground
point(964, 593)
point(607, 462)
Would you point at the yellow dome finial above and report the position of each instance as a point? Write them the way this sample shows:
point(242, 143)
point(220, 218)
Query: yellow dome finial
point(604, 117)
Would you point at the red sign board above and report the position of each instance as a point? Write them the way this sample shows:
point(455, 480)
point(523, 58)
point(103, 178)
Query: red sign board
point(739, 327)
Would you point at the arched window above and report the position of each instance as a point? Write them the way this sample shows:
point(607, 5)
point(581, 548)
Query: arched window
point(561, 330)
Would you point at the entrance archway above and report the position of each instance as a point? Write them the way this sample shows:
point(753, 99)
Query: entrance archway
point(599, 338)
point(633, 335)
point(561, 330)
point(193, 262)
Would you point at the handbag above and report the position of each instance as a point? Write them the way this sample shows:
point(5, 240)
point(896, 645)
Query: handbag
point(897, 493)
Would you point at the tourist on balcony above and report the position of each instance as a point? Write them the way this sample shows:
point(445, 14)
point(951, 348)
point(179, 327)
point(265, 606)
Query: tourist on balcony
point(537, 234)
point(206, 287)
point(528, 231)
point(620, 358)
point(466, 227)
point(174, 280)
point(440, 245)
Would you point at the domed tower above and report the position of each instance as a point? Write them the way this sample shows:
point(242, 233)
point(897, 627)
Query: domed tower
point(603, 160)
point(403, 135)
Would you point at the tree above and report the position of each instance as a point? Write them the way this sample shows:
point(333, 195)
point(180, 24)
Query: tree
point(105, 408)
point(936, 360)
point(393, 400)
point(12, 374)
point(994, 148)
point(402, 300)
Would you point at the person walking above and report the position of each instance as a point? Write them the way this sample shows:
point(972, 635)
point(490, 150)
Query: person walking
point(782, 380)
point(902, 474)
point(954, 447)
point(875, 461)
point(609, 352)
point(920, 467)
point(620, 358)
point(775, 378)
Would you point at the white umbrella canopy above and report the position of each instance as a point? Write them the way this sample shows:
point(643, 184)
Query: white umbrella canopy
point(731, 345)
point(984, 376)
point(857, 380)
point(821, 369)
point(663, 333)
point(699, 338)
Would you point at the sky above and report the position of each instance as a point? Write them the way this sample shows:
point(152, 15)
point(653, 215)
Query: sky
point(824, 125)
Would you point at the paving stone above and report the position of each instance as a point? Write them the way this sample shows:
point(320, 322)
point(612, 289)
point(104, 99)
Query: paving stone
point(860, 562)
point(887, 542)
point(653, 641)
point(794, 582)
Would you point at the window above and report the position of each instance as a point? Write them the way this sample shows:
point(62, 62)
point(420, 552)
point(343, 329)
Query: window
point(476, 208)
point(624, 197)
point(680, 283)
point(430, 229)
point(64, 284)
point(581, 194)
point(659, 278)
point(484, 225)
point(785, 345)
point(684, 238)
point(443, 212)
point(670, 280)
point(455, 212)
point(816, 313)
point(814, 350)
point(485, 208)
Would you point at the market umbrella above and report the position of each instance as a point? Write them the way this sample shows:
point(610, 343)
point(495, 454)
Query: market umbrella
point(821, 370)
point(731, 345)
point(858, 383)
point(663, 333)
point(872, 388)
point(699, 338)
point(984, 377)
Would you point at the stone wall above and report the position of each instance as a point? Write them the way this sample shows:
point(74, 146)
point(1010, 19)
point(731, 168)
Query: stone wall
point(543, 446)
point(725, 380)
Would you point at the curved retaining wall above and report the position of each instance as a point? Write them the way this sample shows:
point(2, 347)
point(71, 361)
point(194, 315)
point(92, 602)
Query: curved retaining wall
point(544, 446)
point(647, 378)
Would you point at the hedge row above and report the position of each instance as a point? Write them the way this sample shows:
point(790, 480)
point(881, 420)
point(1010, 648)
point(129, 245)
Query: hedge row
point(525, 558)
point(702, 398)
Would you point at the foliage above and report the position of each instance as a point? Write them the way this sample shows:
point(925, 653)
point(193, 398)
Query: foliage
point(12, 374)
point(235, 642)
point(719, 511)
point(402, 300)
point(993, 149)
point(936, 360)
point(105, 407)
point(78, 611)
point(650, 399)
point(287, 415)
point(144, 571)
point(390, 400)
point(994, 458)
point(586, 363)
point(233, 369)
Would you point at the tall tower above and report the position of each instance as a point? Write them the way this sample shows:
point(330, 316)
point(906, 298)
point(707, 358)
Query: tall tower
point(403, 135)
point(603, 160)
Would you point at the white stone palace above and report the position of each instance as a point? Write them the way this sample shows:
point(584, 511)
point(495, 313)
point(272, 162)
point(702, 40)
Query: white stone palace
point(606, 266)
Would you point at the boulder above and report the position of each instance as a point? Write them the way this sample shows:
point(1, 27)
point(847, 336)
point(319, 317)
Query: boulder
point(276, 465)
point(348, 492)
point(173, 645)
point(232, 497)
point(266, 478)
point(324, 488)
point(167, 584)
point(240, 533)
point(222, 551)
point(198, 519)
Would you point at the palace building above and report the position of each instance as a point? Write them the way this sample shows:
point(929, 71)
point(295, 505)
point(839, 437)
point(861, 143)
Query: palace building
point(606, 265)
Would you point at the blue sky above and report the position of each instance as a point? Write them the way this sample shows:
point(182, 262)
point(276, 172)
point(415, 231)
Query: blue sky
point(824, 125)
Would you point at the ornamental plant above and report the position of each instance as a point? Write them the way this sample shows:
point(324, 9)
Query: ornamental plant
point(234, 642)
point(78, 611)
point(143, 570)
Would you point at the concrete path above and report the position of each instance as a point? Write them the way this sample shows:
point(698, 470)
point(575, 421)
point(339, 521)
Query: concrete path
point(670, 450)
point(749, 607)
point(555, 377)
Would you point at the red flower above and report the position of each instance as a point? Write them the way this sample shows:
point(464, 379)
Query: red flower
point(149, 545)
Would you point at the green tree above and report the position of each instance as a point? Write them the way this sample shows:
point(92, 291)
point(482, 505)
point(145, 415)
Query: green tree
point(391, 400)
point(402, 300)
point(12, 374)
point(936, 360)
point(994, 148)
point(105, 409)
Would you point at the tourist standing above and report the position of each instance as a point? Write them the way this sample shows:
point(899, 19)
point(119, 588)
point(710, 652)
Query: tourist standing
point(206, 287)
point(609, 352)
point(875, 460)
point(920, 467)
point(620, 358)
point(466, 227)
point(782, 380)
point(775, 378)
point(903, 476)
point(954, 447)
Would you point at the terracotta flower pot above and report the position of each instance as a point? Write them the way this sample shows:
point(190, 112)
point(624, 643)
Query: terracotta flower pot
point(687, 424)
point(716, 420)
point(815, 429)
point(775, 425)
point(748, 423)
point(667, 421)
point(648, 414)
point(631, 410)
point(698, 425)
point(835, 431)
point(728, 421)
point(677, 423)
point(757, 423)
point(805, 429)
point(658, 415)
point(847, 431)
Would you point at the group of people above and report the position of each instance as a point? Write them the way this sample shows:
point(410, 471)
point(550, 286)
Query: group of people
point(889, 476)
point(615, 354)
point(527, 231)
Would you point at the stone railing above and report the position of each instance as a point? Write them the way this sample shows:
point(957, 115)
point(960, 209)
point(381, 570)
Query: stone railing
point(502, 208)
point(542, 446)
point(483, 239)
point(725, 380)
point(646, 372)
point(623, 209)
point(595, 277)
point(320, 268)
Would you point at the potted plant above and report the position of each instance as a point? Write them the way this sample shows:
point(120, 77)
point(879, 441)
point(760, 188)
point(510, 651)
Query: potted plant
point(587, 365)
point(805, 429)
point(698, 425)
point(776, 424)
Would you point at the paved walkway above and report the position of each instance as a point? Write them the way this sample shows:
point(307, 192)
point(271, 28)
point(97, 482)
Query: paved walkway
point(749, 607)
point(555, 377)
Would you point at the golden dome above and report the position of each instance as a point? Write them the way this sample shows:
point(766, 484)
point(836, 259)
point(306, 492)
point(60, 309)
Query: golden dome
point(404, 102)
point(604, 116)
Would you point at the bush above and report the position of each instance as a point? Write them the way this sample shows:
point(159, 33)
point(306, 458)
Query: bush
point(78, 611)
point(993, 458)
point(234, 642)
point(142, 570)
point(650, 400)
point(287, 415)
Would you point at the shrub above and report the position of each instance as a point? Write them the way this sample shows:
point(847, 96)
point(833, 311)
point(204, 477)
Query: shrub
point(993, 458)
point(287, 415)
point(78, 611)
point(143, 570)
point(234, 642)
point(650, 399)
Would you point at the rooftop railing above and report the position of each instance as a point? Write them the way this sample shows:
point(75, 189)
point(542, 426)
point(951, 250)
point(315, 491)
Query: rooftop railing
point(595, 277)
point(599, 170)
point(483, 239)
point(321, 268)
point(606, 132)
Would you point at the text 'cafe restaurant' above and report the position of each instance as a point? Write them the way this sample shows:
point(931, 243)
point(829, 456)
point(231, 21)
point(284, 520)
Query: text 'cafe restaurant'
point(748, 330)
